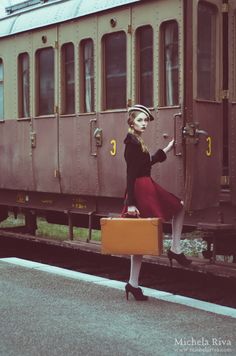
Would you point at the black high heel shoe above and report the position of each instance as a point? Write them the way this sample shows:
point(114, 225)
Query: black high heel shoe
point(180, 258)
point(136, 292)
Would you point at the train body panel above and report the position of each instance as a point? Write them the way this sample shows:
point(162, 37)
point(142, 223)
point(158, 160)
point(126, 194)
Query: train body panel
point(110, 154)
point(78, 170)
point(45, 155)
point(16, 159)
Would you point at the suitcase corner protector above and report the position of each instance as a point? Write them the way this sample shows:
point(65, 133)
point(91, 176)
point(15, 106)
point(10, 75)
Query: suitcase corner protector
point(103, 221)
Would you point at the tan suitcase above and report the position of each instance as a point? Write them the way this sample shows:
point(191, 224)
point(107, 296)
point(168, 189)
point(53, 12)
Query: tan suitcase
point(128, 236)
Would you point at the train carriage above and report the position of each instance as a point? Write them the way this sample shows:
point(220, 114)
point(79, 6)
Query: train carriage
point(69, 70)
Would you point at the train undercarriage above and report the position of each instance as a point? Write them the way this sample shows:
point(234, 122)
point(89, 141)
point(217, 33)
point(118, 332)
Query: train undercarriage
point(216, 225)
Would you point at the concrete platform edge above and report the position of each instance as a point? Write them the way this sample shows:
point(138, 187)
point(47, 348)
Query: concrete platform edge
point(168, 297)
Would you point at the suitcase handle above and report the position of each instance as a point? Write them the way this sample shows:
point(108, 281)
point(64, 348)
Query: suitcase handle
point(131, 216)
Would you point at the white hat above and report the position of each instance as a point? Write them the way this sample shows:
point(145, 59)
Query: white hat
point(143, 109)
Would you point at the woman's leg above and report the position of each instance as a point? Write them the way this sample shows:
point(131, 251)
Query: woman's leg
point(132, 287)
point(135, 266)
point(177, 226)
point(175, 250)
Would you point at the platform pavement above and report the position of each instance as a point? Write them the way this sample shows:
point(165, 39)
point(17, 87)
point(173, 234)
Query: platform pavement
point(46, 310)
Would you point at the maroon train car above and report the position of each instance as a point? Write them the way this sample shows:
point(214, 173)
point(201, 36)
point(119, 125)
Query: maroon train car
point(69, 70)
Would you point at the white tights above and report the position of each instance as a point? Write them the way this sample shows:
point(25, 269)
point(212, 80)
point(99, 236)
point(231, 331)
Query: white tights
point(177, 225)
point(136, 260)
point(135, 266)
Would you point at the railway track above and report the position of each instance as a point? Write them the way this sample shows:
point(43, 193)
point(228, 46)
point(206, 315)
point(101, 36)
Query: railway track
point(192, 282)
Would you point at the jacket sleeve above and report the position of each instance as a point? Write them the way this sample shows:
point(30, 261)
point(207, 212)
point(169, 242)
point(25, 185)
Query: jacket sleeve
point(132, 156)
point(159, 156)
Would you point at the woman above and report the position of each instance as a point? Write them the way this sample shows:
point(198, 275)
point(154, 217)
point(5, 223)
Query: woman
point(145, 198)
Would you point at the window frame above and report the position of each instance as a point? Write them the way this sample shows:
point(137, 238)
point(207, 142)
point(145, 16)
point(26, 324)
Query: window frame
point(21, 86)
point(216, 36)
point(162, 67)
point(105, 105)
point(2, 85)
point(138, 66)
point(64, 82)
point(38, 78)
point(83, 85)
point(234, 57)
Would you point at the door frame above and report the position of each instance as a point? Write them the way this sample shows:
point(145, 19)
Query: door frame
point(203, 119)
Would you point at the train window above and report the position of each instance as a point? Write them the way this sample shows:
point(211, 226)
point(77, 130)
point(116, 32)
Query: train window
point(1, 91)
point(206, 51)
point(170, 69)
point(45, 80)
point(23, 85)
point(68, 78)
point(144, 39)
point(87, 66)
point(115, 70)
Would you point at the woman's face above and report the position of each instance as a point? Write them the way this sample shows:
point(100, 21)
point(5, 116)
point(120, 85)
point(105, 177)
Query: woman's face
point(140, 123)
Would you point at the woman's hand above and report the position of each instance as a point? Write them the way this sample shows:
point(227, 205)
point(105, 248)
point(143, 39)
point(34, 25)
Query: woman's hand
point(169, 147)
point(132, 210)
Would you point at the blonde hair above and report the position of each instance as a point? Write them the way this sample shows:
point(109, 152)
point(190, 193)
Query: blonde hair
point(130, 121)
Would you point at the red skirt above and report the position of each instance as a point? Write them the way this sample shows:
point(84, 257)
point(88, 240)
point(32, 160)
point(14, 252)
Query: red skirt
point(154, 201)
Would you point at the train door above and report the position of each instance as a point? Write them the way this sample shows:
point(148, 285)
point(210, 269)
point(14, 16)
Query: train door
point(232, 96)
point(204, 114)
point(115, 64)
point(168, 55)
point(44, 134)
point(78, 120)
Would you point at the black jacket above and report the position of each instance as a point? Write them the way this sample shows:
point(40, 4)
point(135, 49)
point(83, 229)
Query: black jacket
point(138, 164)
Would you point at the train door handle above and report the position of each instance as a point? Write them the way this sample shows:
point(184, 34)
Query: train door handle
point(91, 124)
point(33, 139)
point(192, 132)
point(177, 136)
point(201, 132)
point(98, 136)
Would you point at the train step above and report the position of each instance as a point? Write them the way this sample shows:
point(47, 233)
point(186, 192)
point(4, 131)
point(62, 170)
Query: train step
point(208, 227)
